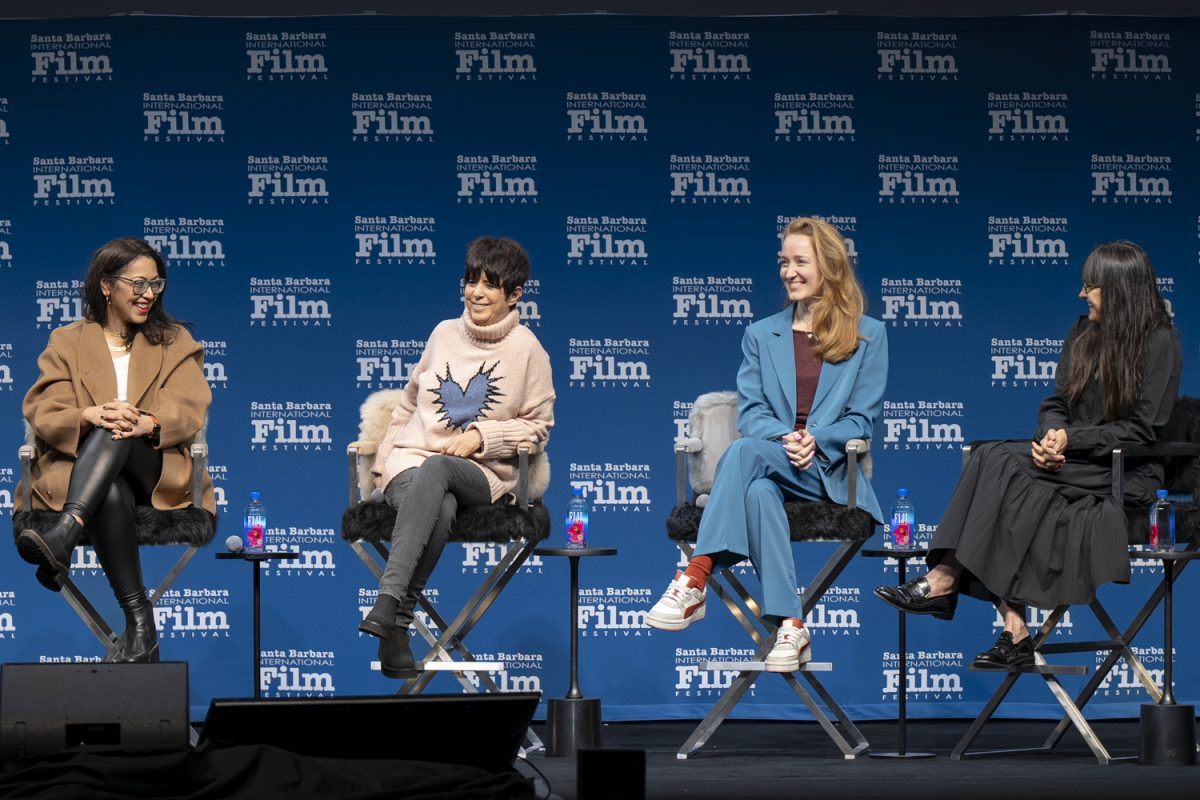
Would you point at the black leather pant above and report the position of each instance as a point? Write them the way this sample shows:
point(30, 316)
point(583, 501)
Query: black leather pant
point(109, 478)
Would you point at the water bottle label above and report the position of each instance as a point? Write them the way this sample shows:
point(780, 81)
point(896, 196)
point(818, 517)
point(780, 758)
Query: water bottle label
point(576, 533)
point(1153, 537)
point(901, 534)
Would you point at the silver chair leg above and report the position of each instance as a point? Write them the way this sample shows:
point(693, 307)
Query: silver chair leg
point(747, 614)
point(849, 750)
point(86, 612)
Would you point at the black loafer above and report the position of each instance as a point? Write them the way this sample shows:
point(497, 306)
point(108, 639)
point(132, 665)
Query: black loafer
point(913, 597)
point(1004, 655)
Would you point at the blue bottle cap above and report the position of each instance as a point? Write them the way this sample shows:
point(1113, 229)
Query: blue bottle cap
point(577, 491)
point(256, 495)
point(1162, 494)
point(902, 493)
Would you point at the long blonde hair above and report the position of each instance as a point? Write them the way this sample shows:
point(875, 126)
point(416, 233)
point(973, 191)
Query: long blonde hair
point(839, 304)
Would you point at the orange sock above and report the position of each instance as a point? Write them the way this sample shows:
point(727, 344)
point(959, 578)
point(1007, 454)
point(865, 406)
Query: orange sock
point(699, 569)
point(796, 622)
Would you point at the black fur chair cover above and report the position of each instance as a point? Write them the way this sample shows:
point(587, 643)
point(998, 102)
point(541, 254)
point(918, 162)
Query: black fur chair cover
point(187, 526)
point(808, 522)
point(499, 522)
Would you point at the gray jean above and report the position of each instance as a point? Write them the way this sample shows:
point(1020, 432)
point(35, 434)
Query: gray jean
point(426, 499)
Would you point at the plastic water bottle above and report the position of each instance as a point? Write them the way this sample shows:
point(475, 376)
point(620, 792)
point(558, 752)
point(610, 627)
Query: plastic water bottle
point(577, 519)
point(1162, 523)
point(255, 524)
point(904, 518)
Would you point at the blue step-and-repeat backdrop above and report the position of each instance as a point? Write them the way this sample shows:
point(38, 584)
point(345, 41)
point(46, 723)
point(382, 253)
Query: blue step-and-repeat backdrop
point(314, 182)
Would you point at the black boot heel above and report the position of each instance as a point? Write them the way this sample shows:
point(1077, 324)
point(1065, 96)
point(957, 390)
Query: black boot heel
point(51, 551)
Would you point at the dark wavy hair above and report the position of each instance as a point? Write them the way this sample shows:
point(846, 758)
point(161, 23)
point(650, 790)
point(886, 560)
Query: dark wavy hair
point(503, 261)
point(107, 263)
point(1130, 310)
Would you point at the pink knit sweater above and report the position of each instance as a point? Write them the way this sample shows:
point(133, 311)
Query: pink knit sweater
point(495, 379)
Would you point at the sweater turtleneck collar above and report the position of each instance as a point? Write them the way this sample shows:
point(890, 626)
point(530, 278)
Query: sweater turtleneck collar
point(491, 333)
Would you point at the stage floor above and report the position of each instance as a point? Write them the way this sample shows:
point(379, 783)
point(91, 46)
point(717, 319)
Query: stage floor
point(752, 760)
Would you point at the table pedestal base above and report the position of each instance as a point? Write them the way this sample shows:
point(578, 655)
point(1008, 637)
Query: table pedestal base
point(572, 723)
point(1168, 735)
point(902, 755)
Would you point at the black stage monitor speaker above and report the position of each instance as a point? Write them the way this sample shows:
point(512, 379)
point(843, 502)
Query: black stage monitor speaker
point(45, 708)
point(482, 730)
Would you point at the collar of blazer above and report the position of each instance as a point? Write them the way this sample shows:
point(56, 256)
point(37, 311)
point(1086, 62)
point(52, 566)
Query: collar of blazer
point(783, 359)
point(96, 369)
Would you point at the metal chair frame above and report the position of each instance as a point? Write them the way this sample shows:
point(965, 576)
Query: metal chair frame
point(71, 593)
point(1118, 645)
point(748, 613)
point(450, 643)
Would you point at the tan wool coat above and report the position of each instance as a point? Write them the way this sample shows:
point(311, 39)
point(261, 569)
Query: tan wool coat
point(76, 371)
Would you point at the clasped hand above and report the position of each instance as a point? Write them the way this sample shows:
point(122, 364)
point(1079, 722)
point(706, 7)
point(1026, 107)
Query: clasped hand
point(119, 417)
point(800, 447)
point(464, 444)
point(1050, 452)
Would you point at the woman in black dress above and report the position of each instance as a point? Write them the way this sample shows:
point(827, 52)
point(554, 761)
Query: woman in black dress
point(1038, 525)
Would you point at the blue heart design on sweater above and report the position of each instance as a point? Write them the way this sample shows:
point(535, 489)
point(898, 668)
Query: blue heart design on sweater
point(460, 407)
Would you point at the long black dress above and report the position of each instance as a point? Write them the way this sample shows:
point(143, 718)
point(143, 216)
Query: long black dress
point(1044, 538)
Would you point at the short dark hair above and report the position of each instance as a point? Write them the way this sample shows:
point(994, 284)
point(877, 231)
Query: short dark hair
point(107, 263)
point(501, 259)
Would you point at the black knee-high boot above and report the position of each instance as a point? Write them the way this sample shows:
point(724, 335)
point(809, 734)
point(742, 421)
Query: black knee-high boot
point(99, 460)
point(115, 539)
point(52, 550)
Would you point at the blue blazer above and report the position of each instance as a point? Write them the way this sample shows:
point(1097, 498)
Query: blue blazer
point(846, 406)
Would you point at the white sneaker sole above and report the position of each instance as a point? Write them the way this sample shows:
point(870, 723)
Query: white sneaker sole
point(674, 624)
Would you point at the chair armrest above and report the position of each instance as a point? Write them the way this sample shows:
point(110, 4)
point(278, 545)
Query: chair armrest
point(690, 445)
point(199, 452)
point(360, 456)
point(25, 453)
point(854, 448)
point(524, 450)
point(1160, 450)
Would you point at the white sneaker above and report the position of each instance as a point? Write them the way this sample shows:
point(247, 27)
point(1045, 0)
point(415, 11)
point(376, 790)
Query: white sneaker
point(791, 648)
point(680, 606)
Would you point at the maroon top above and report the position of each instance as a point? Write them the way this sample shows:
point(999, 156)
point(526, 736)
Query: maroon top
point(808, 372)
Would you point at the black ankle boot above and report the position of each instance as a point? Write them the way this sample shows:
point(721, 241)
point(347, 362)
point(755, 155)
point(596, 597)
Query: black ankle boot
point(139, 643)
point(396, 656)
point(381, 619)
point(51, 551)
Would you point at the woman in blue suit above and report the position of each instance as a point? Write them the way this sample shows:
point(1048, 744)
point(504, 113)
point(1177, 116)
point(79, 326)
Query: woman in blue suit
point(812, 378)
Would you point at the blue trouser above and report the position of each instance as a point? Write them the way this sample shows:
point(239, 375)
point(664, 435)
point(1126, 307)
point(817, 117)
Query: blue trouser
point(745, 517)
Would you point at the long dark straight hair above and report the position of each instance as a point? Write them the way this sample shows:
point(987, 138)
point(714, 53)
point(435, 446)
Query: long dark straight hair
point(1130, 310)
point(107, 263)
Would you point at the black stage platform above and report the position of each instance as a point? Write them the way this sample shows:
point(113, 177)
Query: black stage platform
point(744, 761)
point(752, 760)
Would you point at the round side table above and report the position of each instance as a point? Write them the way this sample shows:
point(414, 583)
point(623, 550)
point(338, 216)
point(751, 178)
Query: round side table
point(902, 555)
point(1168, 728)
point(573, 722)
point(255, 559)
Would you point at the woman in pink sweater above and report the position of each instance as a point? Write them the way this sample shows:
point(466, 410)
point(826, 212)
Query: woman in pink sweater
point(483, 386)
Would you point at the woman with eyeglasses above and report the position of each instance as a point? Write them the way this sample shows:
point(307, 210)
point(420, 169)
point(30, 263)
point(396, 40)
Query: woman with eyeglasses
point(120, 397)
point(1036, 524)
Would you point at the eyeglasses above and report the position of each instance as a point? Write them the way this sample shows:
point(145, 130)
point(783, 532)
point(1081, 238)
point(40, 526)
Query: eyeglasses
point(140, 285)
point(1087, 287)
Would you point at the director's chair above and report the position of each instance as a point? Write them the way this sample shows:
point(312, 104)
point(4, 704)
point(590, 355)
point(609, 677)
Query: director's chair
point(712, 425)
point(1178, 452)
